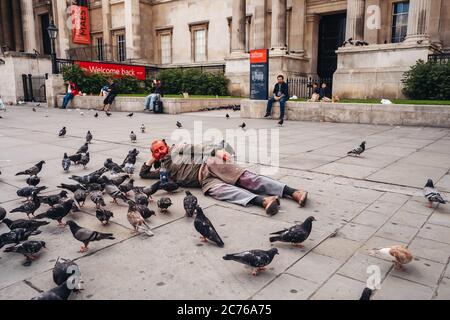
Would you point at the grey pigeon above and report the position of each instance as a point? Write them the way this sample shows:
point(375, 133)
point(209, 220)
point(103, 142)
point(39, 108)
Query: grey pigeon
point(145, 212)
point(190, 204)
point(76, 158)
point(80, 196)
point(33, 180)
point(113, 167)
point(133, 137)
point(29, 249)
point(103, 215)
point(54, 199)
point(89, 178)
point(258, 259)
point(27, 224)
point(140, 197)
point(89, 137)
point(204, 226)
point(85, 158)
point(28, 191)
point(432, 194)
point(118, 180)
point(83, 149)
point(142, 128)
point(29, 207)
point(97, 198)
point(62, 132)
point(164, 203)
point(85, 235)
point(57, 212)
point(71, 187)
point(16, 236)
point(127, 187)
point(113, 191)
point(66, 162)
point(2, 213)
point(358, 151)
point(296, 234)
point(34, 170)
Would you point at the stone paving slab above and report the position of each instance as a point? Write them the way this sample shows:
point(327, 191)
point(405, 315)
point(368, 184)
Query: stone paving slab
point(371, 201)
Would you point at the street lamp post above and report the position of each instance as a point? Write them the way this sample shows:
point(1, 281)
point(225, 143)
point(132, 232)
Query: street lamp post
point(53, 33)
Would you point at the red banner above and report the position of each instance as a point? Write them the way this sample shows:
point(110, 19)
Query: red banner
point(119, 70)
point(258, 56)
point(81, 32)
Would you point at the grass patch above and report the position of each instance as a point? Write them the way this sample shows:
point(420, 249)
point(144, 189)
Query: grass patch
point(177, 96)
point(394, 101)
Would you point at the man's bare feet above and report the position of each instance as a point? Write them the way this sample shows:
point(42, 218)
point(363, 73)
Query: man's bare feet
point(300, 196)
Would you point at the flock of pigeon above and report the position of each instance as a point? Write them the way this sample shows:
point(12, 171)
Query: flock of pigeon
point(117, 182)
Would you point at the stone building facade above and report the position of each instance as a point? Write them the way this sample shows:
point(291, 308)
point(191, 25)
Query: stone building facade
point(305, 37)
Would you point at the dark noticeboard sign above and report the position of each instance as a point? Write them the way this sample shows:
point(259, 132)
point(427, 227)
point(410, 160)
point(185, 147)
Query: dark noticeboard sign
point(259, 74)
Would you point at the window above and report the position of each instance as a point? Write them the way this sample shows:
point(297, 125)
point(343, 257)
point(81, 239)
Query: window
point(200, 45)
point(99, 49)
point(121, 48)
point(400, 21)
point(166, 48)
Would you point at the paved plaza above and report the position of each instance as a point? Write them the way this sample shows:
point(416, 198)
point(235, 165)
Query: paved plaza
point(372, 201)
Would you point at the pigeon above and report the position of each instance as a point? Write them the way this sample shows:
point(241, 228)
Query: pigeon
point(432, 195)
point(16, 236)
point(59, 293)
point(2, 213)
point(103, 215)
point(113, 191)
point(113, 167)
point(33, 180)
point(30, 225)
point(80, 196)
point(130, 115)
point(29, 249)
point(145, 212)
point(398, 253)
point(88, 137)
point(131, 157)
point(34, 109)
point(190, 204)
point(164, 203)
point(97, 198)
point(179, 125)
point(125, 188)
point(258, 259)
point(76, 158)
point(137, 221)
point(109, 114)
point(296, 234)
point(62, 132)
point(206, 229)
point(366, 294)
point(243, 125)
point(71, 187)
point(140, 197)
point(54, 199)
point(85, 235)
point(66, 162)
point(119, 179)
point(96, 115)
point(133, 137)
point(63, 270)
point(142, 128)
point(29, 207)
point(227, 116)
point(358, 151)
point(83, 149)
point(280, 123)
point(58, 212)
point(129, 168)
point(34, 170)
point(90, 178)
point(85, 158)
point(81, 113)
point(28, 191)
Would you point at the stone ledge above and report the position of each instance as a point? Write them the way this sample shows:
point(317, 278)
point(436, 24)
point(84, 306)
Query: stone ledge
point(394, 114)
point(136, 104)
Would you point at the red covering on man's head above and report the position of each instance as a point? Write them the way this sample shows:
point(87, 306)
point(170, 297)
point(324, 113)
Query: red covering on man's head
point(159, 149)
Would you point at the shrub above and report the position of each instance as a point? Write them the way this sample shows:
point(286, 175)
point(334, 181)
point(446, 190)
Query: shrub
point(427, 81)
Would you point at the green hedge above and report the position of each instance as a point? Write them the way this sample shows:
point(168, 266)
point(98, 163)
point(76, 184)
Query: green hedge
point(427, 81)
point(174, 81)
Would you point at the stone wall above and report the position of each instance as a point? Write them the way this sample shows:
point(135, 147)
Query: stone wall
point(394, 114)
point(136, 104)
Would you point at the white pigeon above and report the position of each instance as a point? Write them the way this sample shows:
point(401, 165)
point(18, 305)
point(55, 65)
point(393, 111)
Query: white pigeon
point(399, 254)
point(386, 101)
point(431, 194)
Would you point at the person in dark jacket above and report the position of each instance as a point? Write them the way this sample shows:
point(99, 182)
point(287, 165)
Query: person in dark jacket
point(280, 94)
point(113, 92)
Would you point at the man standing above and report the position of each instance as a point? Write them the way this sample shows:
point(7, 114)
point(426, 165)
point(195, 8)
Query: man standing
point(280, 94)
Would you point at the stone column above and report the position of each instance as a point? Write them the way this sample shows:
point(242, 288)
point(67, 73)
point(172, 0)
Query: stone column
point(29, 28)
point(61, 15)
point(238, 23)
point(355, 19)
point(312, 40)
point(17, 22)
point(435, 23)
point(132, 29)
point(259, 26)
point(418, 21)
point(107, 24)
point(5, 20)
point(298, 25)
point(278, 38)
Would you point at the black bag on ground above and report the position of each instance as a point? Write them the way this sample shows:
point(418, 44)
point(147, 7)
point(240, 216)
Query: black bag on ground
point(158, 107)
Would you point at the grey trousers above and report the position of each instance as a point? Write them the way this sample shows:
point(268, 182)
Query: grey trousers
point(249, 186)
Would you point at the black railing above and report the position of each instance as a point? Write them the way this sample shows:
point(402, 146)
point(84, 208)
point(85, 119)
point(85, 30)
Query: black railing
point(63, 63)
point(34, 88)
point(302, 86)
point(441, 58)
